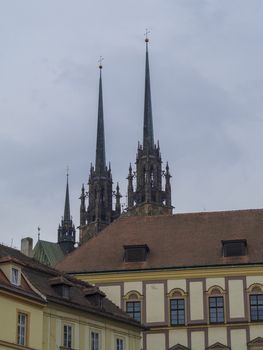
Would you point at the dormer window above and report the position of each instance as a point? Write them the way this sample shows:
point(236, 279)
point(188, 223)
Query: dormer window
point(236, 247)
point(61, 285)
point(14, 276)
point(136, 253)
point(65, 291)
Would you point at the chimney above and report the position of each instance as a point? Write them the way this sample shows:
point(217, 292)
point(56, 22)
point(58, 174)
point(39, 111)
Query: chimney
point(27, 246)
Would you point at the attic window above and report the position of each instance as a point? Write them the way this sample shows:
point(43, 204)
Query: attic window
point(135, 253)
point(14, 276)
point(65, 291)
point(61, 285)
point(236, 247)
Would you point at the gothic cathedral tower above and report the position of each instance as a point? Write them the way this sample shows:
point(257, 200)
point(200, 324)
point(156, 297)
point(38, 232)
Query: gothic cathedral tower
point(149, 197)
point(66, 230)
point(99, 212)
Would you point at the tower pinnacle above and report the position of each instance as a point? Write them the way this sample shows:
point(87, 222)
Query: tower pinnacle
point(99, 212)
point(148, 140)
point(67, 205)
point(149, 197)
point(100, 164)
point(66, 230)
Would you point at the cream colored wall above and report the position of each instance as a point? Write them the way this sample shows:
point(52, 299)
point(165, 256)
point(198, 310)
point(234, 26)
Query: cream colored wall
point(8, 320)
point(197, 341)
point(113, 293)
point(172, 284)
point(236, 298)
point(155, 341)
point(210, 282)
point(196, 301)
point(217, 334)
point(256, 331)
point(129, 286)
point(155, 302)
point(55, 318)
point(178, 336)
point(238, 339)
point(254, 279)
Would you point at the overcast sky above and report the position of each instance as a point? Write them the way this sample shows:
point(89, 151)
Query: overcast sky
point(206, 61)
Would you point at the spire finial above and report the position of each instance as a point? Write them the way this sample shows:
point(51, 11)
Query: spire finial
point(100, 60)
point(146, 35)
point(38, 233)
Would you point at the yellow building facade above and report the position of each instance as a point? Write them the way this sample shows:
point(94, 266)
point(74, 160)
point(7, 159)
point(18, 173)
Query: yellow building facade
point(155, 291)
point(40, 309)
point(194, 280)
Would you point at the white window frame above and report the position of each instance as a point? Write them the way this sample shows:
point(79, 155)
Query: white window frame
point(22, 324)
point(14, 276)
point(119, 343)
point(68, 337)
point(95, 344)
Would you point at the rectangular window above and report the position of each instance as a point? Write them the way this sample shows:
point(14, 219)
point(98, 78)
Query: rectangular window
point(67, 336)
point(256, 307)
point(177, 312)
point(95, 341)
point(133, 309)
point(216, 309)
point(236, 247)
point(22, 328)
point(119, 344)
point(14, 276)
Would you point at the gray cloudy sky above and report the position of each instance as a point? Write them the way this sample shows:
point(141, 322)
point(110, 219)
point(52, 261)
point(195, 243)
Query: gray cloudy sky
point(207, 91)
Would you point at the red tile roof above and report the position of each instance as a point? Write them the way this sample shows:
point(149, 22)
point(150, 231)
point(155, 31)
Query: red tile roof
point(180, 240)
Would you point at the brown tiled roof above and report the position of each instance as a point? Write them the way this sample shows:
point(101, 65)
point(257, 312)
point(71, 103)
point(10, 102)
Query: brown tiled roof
point(175, 241)
point(45, 279)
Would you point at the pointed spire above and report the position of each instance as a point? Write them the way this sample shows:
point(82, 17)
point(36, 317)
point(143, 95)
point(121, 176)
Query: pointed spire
point(100, 149)
point(148, 140)
point(67, 217)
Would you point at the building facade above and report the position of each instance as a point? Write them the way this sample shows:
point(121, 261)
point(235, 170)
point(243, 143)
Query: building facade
point(41, 309)
point(195, 280)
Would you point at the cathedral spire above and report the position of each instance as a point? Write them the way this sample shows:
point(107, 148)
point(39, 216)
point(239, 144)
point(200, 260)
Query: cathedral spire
point(100, 164)
point(148, 139)
point(66, 229)
point(99, 211)
point(149, 197)
point(67, 205)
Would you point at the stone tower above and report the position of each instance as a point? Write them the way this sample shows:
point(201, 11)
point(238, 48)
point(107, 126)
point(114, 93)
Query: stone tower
point(66, 230)
point(99, 212)
point(149, 197)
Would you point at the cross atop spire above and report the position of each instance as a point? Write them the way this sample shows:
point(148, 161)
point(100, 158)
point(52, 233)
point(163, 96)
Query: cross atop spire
point(100, 164)
point(148, 139)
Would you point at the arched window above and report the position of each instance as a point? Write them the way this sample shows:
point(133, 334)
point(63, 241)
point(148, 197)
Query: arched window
point(216, 305)
point(133, 305)
point(177, 307)
point(256, 302)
